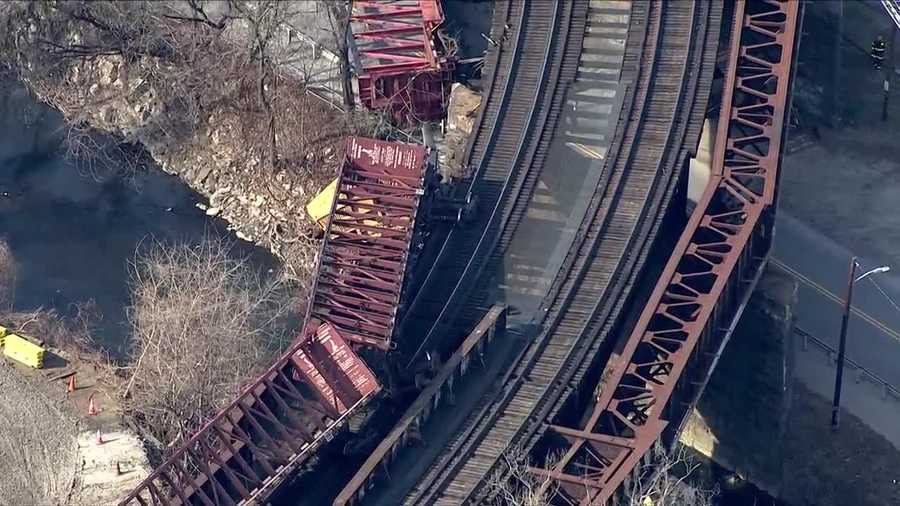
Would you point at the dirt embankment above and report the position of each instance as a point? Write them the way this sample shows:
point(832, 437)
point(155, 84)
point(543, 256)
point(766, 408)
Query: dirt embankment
point(38, 450)
point(54, 449)
point(262, 205)
point(216, 97)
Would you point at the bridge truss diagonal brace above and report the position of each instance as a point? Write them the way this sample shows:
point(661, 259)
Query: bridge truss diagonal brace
point(245, 451)
point(706, 275)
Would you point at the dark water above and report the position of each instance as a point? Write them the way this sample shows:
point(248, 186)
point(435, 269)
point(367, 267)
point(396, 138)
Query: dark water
point(736, 492)
point(465, 21)
point(73, 236)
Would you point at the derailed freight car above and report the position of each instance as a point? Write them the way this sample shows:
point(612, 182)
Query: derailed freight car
point(369, 238)
point(250, 447)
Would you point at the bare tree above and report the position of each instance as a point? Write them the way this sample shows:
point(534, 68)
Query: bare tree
point(264, 22)
point(157, 72)
point(514, 485)
point(664, 482)
point(339, 19)
point(203, 323)
point(71, 333)
point(152, 68)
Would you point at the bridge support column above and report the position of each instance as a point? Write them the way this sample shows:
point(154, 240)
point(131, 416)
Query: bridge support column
point(739, 422)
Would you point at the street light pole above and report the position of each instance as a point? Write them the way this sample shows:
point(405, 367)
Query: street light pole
point(836, 405)
point(842, 346)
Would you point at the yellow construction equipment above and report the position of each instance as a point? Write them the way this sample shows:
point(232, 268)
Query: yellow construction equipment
point(22, 350)
point(320, 206)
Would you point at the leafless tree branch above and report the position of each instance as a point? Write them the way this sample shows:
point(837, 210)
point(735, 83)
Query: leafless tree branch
point(203, 323)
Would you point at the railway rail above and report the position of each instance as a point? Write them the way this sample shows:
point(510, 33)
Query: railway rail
point(671, 352)
point(507, 150)
point(441, 388)
point(672, 47)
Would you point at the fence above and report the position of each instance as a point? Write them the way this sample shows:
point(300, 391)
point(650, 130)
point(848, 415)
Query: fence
point(887, 389)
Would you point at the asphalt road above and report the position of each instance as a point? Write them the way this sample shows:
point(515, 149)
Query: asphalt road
point(822, 267)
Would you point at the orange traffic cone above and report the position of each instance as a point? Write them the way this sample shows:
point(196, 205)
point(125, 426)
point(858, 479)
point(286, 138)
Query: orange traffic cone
point(92, 408)
point(71, 387)
point(99, 438)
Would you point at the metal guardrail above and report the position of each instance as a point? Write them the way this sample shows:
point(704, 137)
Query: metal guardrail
point(887, 389)
point(440, 388)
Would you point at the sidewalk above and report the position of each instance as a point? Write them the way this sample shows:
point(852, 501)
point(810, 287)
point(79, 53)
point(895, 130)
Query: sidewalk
point(846, 184)
point(878, 408)
point(821, 267)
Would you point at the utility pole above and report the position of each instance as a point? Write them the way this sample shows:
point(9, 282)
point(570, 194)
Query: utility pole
point(842, 346)
point(836, 73)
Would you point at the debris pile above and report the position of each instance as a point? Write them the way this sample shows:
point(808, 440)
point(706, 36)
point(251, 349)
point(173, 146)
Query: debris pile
point(461, 116)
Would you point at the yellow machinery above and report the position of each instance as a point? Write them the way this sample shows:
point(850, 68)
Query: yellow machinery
point(22, 350)
point(320, 206)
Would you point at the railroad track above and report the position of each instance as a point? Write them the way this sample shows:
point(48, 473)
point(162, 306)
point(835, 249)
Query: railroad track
point(685, 130)
point(668, 45)
point(561, 69)
point(527, 82)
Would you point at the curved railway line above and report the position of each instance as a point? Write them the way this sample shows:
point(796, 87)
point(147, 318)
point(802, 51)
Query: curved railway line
point(663, 365)
point(507, 150)
point(660, 73)
point(671, 50)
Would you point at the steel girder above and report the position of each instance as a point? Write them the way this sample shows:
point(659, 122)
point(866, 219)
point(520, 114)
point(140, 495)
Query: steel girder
point(276, 422)
point(397, 32)
point(441, 387)
point(727, 236)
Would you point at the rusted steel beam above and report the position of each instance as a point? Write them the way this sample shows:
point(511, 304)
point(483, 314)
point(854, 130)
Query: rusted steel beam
point(272, 426)
point(706, 274)
point(235, 456)
point(395, 54)
point(364, 258)
point(393, 24)
point(493, 324)
point(344, 285)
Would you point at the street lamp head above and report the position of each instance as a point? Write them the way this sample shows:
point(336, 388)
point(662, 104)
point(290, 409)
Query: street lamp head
point(877, 270)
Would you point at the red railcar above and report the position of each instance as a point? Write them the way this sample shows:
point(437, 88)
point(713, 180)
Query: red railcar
point(338, 376)
point(366, 253)
point(397, 58)
point(273, 426)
